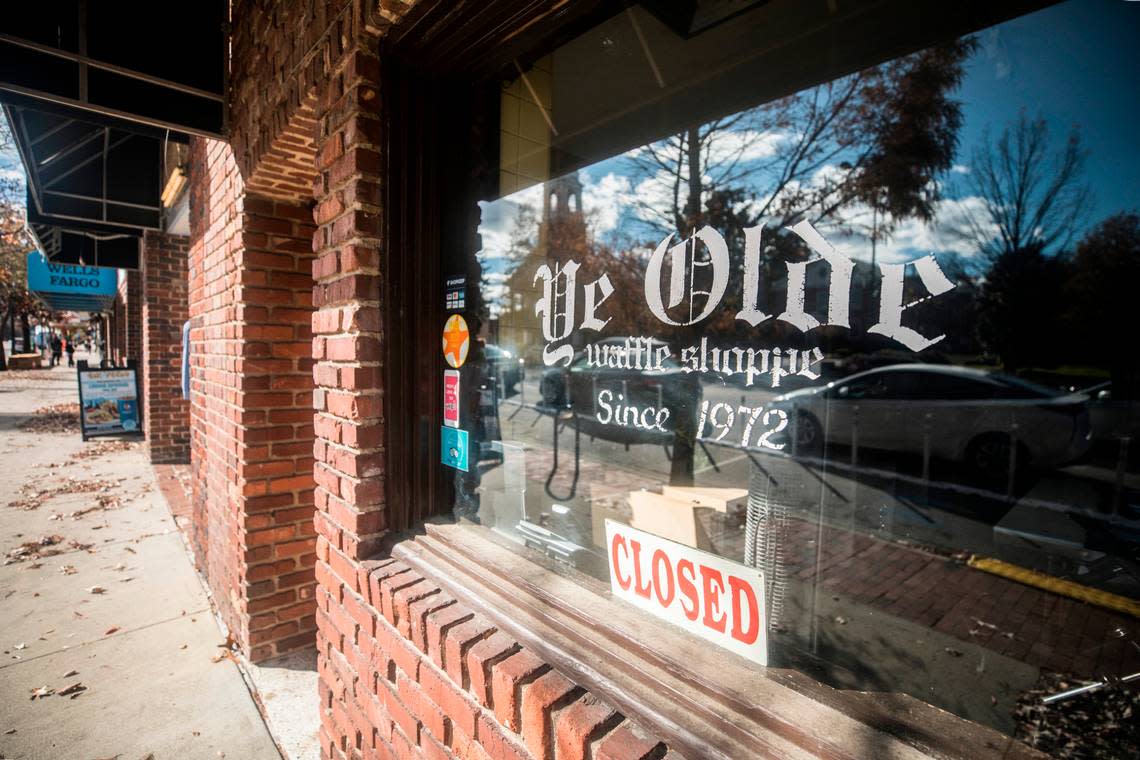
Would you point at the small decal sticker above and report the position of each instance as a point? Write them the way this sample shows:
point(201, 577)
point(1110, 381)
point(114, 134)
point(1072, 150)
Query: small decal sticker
point(456, 341)
point(455, 293)
point(451, 398)
point(453, 448)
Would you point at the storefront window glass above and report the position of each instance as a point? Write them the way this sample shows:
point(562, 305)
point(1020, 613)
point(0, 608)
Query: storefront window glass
point(853, 309)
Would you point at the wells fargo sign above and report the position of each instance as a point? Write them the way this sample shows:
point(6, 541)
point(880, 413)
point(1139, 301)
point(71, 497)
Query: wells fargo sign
point(718, 600)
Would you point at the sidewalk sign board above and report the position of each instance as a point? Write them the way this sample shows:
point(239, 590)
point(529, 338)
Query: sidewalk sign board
point(109, 402)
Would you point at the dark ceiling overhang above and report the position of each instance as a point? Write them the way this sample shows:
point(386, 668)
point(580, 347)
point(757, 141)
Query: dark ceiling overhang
point(477, 40)
point(161, 64)
point(89, 172)
point(85, 243)
point(93, 186)
point(94, 92)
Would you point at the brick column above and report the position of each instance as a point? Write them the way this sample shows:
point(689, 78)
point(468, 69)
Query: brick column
point(133, 327)
point(251, 413)
point(117, 345)
point(165, 306)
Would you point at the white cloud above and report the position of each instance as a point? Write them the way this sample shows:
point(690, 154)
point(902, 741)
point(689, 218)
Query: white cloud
point(743, 145)
point(605, 200)
point(497, 220)
point(912, 237)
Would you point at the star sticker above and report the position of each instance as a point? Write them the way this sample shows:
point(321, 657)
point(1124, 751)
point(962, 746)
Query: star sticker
point(455, 341)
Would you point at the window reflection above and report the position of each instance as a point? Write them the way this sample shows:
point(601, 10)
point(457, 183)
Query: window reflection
point(873, 439)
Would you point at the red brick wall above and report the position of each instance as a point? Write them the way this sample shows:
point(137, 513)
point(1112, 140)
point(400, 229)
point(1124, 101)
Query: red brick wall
point(165, 306)
point(251, 400)
point(132, 332)
point(407, 671)
point(117, 345)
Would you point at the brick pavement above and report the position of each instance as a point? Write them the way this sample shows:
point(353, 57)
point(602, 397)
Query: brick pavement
point(1018, 621)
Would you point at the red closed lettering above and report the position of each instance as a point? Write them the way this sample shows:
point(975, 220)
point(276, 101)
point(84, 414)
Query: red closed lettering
point(638, 588)
point(619, 541)
point(662, 561)
point(712, 583)
point(686, 579)
point(742, 589)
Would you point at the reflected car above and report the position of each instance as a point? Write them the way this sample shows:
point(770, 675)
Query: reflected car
point(964, 415)
point(578, 389)
point(504, 366)
point(1112, 418)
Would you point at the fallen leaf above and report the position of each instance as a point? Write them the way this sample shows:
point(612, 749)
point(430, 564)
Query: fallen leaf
point(111, 630)
point(43, 691)
point(10, 731)
point(73, 691)
point(68, 569)
point(952, 652)
point(71, 673)
point(96, 590)
point(21, 645)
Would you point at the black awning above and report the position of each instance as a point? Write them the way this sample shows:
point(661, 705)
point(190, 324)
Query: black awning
point(86, 171)
point(162, 64)
point(86, 244)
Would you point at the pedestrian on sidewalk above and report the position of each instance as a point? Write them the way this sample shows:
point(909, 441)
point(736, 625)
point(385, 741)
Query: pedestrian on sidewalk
point(56, 349)
point(70, 352)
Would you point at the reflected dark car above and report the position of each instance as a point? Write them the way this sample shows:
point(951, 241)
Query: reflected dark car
point(963, 415)
point(504, 366)
point(1112, 418)
point(588, 391)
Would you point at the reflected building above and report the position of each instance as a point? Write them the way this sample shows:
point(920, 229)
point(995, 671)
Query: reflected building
point(561, 232)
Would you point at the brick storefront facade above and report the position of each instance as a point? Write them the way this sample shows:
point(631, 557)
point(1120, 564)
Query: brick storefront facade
point(251, 395)
point(286, 369)
point(133, 318)
point(165, 303)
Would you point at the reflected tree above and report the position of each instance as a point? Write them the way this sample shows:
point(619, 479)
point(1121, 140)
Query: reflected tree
point(1105, 271)
point(17, 304)
point(878, 138)
point(1033, 199)
point(1032, 194)
point(1019, 307)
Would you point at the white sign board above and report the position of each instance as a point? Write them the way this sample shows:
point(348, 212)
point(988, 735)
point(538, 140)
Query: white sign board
point(716, 599)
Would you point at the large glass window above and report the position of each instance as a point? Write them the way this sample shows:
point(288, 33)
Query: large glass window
point(843, 294)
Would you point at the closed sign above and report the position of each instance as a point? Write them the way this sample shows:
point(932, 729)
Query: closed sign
point(718, 600)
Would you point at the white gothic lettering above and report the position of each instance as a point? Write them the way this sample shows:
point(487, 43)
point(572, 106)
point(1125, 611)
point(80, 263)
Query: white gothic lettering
point(556, 307)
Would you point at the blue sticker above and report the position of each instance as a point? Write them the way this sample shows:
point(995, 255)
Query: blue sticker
point(453, 448)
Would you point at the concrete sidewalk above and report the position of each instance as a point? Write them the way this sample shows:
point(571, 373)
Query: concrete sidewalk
point(102, 611)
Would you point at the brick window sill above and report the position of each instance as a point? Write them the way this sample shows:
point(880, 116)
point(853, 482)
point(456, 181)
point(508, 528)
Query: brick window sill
point(702, 701)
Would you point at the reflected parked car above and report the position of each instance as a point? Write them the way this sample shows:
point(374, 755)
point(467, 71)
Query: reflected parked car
point(1112, 418)
point(964, 415)
point(504, 366)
